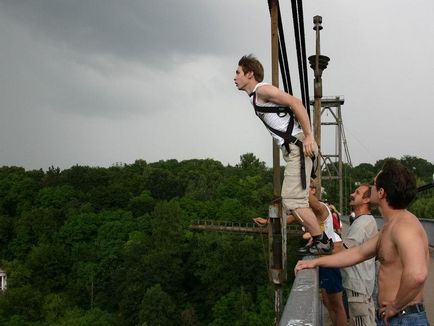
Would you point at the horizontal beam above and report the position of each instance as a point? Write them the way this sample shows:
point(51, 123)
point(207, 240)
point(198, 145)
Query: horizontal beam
point(231, 227)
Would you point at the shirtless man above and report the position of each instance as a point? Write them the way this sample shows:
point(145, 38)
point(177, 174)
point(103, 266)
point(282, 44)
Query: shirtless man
point(401, 248)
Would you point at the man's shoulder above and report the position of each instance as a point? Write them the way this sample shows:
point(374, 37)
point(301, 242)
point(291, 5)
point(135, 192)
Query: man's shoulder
point(263, 87)
point(370, 219)
point(265, 90)
point(365, 220)
point(367, 216)
point(406, 228)
point(407, 221)
point(362, 229)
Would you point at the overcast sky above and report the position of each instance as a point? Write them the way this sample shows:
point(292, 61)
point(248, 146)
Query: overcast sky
point(100, 82)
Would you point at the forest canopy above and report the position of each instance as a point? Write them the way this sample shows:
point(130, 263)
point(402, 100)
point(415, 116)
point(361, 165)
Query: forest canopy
point(113, 246)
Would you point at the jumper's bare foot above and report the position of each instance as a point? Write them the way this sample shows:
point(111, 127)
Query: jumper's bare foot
point(260, 221)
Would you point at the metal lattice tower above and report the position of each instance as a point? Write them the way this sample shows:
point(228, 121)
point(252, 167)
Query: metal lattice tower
point(331, 163)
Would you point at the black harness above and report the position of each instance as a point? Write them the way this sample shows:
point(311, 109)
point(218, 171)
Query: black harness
point(287, 136)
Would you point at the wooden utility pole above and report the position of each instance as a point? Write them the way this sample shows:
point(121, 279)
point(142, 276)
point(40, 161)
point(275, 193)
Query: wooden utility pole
point(318, 63)
point(277, 225)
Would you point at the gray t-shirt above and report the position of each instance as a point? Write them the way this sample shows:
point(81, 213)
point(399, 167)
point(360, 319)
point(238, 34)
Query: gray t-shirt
point(361, 277)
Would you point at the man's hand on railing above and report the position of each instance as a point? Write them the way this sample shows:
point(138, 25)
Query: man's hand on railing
point(303, 264)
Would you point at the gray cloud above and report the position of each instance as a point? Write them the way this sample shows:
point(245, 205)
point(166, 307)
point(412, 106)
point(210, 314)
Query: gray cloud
point(134, 30)
point(99, 82)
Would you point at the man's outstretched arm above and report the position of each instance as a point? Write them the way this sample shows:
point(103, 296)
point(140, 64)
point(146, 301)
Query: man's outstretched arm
point(273, 94)
point(343, 258)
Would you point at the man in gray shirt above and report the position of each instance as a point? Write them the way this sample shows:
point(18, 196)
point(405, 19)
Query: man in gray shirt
point(359, 280)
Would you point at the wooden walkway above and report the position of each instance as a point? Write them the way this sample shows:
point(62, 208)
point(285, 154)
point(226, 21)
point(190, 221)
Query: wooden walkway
point(236, 227)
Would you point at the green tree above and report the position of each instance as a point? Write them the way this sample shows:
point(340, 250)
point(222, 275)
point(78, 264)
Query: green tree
point(423, 207)
point(152, 257)
point(363, 173)
point(251, 165)
point(60, 197)
point(200, 178)
point(157, 308)
point(422, 168)
point(94, 317)
point(54, 307)
point(142, 204)
point(38, 225)
point(238, 308)
point(23, 301)
point(17, 190)
point(85, 178)
point(109, 244)
point(164, 184)
point(50, 266)
point(222, 262)
point(52, 177)
point(6, 236)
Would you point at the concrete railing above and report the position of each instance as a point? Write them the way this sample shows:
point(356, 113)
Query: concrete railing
point(428, 224)
point(303, 306)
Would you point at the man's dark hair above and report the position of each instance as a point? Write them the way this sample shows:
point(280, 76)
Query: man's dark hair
point(367, 193)
point(249, 63)
point(398, 182)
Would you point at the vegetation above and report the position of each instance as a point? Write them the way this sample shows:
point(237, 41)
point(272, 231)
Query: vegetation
point(364, 174)
point(112, 246)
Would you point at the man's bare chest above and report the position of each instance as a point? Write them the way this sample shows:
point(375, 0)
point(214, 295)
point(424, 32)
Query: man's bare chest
point(386, 250)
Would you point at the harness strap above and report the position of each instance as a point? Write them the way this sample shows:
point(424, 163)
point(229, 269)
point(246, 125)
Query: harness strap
point(299, 144)
point(281, 111)
point(287, 136)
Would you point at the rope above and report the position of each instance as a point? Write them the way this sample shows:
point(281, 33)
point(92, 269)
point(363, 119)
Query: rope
point(297, 17)
point(300, 43)
point(283, 58)
point(303, 59)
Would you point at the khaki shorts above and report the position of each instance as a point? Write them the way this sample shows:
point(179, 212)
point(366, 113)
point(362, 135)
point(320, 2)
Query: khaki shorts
point(293, 195)
point(361, 309)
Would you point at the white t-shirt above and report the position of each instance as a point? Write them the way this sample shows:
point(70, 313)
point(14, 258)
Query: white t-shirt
point(327, 226)
point(275, 121)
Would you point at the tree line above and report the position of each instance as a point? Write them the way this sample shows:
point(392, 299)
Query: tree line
point(112, 246)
